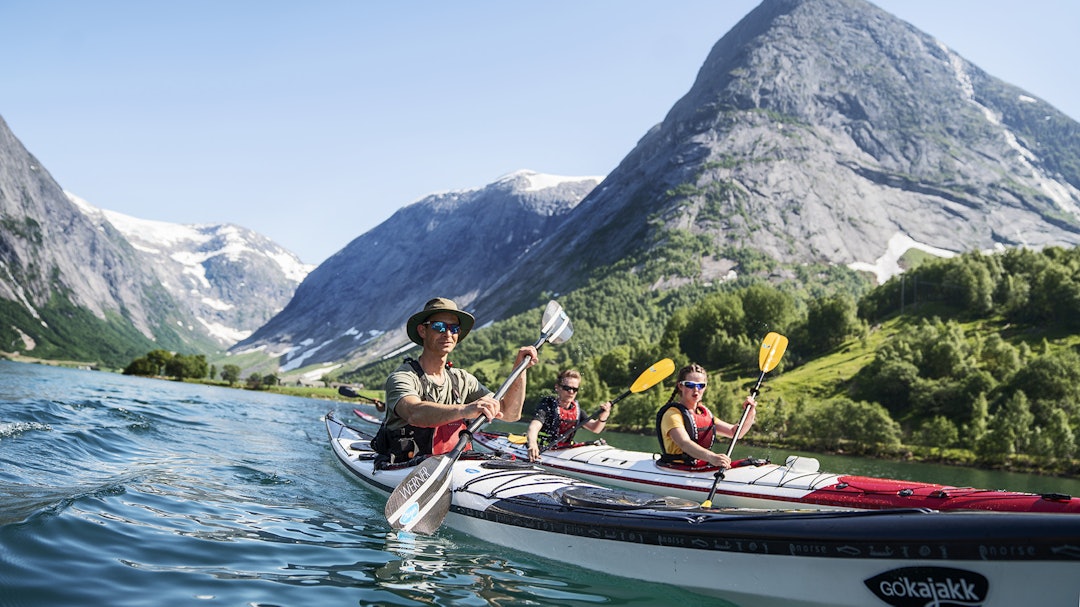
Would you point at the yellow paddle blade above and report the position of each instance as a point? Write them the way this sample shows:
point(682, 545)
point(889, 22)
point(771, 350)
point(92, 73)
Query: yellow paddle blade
point(653, 375)
point(772, 348)
point(517, 439)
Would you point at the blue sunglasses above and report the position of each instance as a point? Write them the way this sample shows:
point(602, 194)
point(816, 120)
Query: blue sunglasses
point(442, 327)
point(693, 385)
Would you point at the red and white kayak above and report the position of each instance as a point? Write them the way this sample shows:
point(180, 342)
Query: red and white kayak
point(796, 483)
point(763, 558)
point(364, 415)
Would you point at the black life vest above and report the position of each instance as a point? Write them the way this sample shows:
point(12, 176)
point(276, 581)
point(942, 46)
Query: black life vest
point(699, 426)
point(410, 444)
point(558, 420)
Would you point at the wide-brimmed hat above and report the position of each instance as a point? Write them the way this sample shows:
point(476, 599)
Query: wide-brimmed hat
point(434, 306)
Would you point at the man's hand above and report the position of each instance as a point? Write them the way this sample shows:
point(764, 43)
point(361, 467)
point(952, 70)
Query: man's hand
point(486, 406)
point(524, 351)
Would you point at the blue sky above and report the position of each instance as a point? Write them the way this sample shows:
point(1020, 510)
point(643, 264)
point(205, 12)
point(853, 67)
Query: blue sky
point(312, 122)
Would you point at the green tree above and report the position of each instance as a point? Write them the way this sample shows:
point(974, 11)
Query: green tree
point(972, 284)
point(1053, 376)
point(1009, 430)
point(1054, 438)
point(766, 308)
point(830, 322)
point(230, 374)
point(868, 425)
point(712, 330)
point(154, 363)
point(978, 422)
point(999, 358)
point(141, 366)
point(186, 366)
point(938, 432)
point(888, 381)
point(614, 366)
point(159, 358)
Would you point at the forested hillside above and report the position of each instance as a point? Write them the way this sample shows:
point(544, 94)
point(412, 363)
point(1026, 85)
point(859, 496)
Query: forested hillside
point(971, 359)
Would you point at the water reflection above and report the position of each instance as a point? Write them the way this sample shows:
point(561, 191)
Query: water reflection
point(447, 570)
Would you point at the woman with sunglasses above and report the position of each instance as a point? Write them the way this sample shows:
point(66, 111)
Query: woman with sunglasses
point(428, 401)
point(561, 414)
point(686, 428)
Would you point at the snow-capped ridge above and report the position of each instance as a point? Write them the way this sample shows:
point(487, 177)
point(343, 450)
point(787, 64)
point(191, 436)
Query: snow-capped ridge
point(543, 181)
point(208, 268)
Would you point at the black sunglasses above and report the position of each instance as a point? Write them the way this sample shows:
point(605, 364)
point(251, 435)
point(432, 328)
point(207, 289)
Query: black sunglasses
point(442, 327)
point(568, 388)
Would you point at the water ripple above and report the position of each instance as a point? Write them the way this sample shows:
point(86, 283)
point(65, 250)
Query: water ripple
point(127, 491)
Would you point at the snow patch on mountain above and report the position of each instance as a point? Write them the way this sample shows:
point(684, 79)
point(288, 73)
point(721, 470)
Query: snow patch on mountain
point(298, 361)
point(231, 279)
point(542, 181)
point(226, 333)
point(888, 265)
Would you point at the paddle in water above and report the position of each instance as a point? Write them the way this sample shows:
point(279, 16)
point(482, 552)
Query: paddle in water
point(420, 502)
point(655, 374)
point(350, 392)
point(772, 348)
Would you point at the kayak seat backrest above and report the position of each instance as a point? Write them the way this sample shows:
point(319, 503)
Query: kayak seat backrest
point(802, 464)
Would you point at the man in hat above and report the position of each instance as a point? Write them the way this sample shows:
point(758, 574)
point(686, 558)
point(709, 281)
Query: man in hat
point(428, 401)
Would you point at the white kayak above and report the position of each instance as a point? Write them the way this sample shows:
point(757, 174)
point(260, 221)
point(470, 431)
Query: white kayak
point(764, 558)
point(797, 483)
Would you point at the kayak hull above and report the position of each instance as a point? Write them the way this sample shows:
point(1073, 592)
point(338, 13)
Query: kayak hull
point(795, 484)
point(765, 558)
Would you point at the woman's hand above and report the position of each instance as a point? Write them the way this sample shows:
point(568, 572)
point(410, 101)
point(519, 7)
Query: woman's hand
point(721, 460)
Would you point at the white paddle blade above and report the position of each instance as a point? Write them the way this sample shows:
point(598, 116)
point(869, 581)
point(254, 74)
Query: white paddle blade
point(556, 327)
point(551, 315)
point(563, 331)
point(421, 501)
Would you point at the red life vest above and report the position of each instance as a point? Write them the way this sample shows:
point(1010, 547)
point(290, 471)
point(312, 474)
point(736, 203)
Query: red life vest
point(445, 438)
point(568, 418)
point(699, 427)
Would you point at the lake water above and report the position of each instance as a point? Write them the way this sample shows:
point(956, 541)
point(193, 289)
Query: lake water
point(126, 491)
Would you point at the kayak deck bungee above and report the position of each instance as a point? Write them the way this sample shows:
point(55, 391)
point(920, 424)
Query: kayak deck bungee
point(798, 483)
point(765, 558)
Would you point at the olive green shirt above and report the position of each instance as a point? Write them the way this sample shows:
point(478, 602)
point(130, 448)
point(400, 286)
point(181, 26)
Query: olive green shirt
point(404, 381)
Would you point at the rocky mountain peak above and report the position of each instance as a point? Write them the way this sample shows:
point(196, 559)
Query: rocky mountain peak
point(79, 281)
point(817, 131)
point(230, 279)
point(449, 244)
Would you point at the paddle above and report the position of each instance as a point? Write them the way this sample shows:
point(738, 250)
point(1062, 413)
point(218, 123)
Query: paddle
point(772, 348)
point(648, 378)
point(349, 392)
point(420, 502)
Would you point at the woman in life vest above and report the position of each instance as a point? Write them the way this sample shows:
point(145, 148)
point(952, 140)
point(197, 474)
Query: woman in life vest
point(428, 401)
point(560, 414)
point(686, 428)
